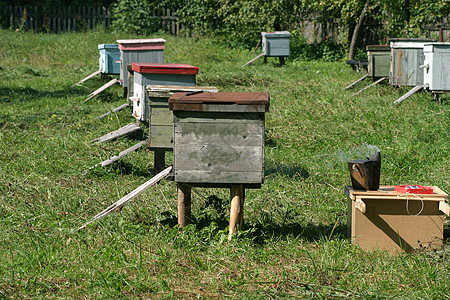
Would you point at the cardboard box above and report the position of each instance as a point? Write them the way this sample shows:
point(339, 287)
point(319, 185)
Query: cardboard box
point(392, 221)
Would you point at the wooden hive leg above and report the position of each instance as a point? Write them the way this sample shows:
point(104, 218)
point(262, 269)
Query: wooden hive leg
point(160, 160)
point(184, 204)
point(236, 210)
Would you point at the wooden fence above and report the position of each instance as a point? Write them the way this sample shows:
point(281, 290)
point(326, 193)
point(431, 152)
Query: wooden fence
point(67, 19)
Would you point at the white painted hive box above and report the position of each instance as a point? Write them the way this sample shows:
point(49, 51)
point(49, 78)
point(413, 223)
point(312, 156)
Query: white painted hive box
point(437, 66)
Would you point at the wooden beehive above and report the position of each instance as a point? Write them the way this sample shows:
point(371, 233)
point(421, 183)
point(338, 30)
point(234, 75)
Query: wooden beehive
point(219, 138)
point(109, 57)
point(160, 118)
point(379, 60)
point(406, 58)
point(276, 43)
point(393, 221)
point(137, 51)
point(437, 66)
point(158, 74)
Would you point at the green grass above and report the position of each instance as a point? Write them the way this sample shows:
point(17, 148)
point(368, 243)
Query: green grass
point(294, 241)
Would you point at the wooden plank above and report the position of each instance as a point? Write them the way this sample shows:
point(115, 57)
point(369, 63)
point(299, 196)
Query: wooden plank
point(388, 192)
point(355, 82)
point(411, 92)
point(249, 136)
point(127, 129)
point(98, 91)
point(184, 117)
point(117, 157)
point(216, 158)
point(212, 132)
point(87, 78)
point(119, 204)
point(236, 207)
point(224, 177)
point(444, 207)
point(372, 84)
point(252, 60)
point(360, 205)
point(114, 110)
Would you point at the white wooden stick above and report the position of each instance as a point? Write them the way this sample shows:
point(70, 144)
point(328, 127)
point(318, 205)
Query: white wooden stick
point(113, 111)
point(412, 91)
point(117, 157)
point(372, 84)
point(86, 78)
point(119, 204)
point(355, 82)
point(99, 90)
point(252, 60)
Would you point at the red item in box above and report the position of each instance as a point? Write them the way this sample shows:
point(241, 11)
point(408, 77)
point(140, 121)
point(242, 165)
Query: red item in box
point(414, 189)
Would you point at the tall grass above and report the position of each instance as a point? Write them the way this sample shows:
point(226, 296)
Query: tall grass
point(293, 244)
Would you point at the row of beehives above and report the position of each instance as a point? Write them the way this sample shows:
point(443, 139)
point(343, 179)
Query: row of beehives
point(217, 138)
point(218, 141)
point(421, 63)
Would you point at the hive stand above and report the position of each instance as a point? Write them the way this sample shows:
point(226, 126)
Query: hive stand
point(218, 142)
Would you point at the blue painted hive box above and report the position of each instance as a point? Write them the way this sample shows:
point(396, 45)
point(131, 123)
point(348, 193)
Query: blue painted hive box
point(406, 58)
point(158, 74)
point(219, 138)
point(109, 58)
point(437, 66)
point(139, 51)
point(276, 43)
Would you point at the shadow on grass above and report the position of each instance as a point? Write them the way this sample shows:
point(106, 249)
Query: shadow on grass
point(214, 211)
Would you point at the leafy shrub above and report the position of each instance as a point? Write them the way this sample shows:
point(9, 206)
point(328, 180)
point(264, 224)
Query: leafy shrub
point(324, 51)
point(134, 16)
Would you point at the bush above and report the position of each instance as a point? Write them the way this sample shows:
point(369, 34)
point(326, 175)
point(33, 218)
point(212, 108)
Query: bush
point(134, 16)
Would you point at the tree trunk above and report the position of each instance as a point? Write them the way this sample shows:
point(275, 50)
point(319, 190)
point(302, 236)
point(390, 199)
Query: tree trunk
point(351, 51)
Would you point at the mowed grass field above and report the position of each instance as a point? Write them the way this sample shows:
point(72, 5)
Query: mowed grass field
point(294, 242)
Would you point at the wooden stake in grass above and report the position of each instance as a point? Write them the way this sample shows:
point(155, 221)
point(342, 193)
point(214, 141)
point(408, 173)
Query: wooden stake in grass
point(119, 204)
point(184, 204)
point(236, 210)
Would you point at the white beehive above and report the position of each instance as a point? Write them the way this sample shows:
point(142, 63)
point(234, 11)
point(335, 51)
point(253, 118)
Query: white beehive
point(437, 66)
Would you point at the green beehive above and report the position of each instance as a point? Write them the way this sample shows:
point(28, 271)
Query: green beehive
point(379, 60)
point(161, 118)
point(276, 43)
point(406, 58)
point(219, 138)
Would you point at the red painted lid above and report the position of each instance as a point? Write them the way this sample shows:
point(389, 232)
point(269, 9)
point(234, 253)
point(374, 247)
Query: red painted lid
point(180, 69)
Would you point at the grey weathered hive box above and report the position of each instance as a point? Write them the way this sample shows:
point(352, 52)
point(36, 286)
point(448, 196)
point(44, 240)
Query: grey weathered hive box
point(109, 58)
point(158, 74)
point(139, 51)
point(219, 138)
point(406, 58)
point(160, 118)
point(437, 66)
point(379, 60)
point(276, 43)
